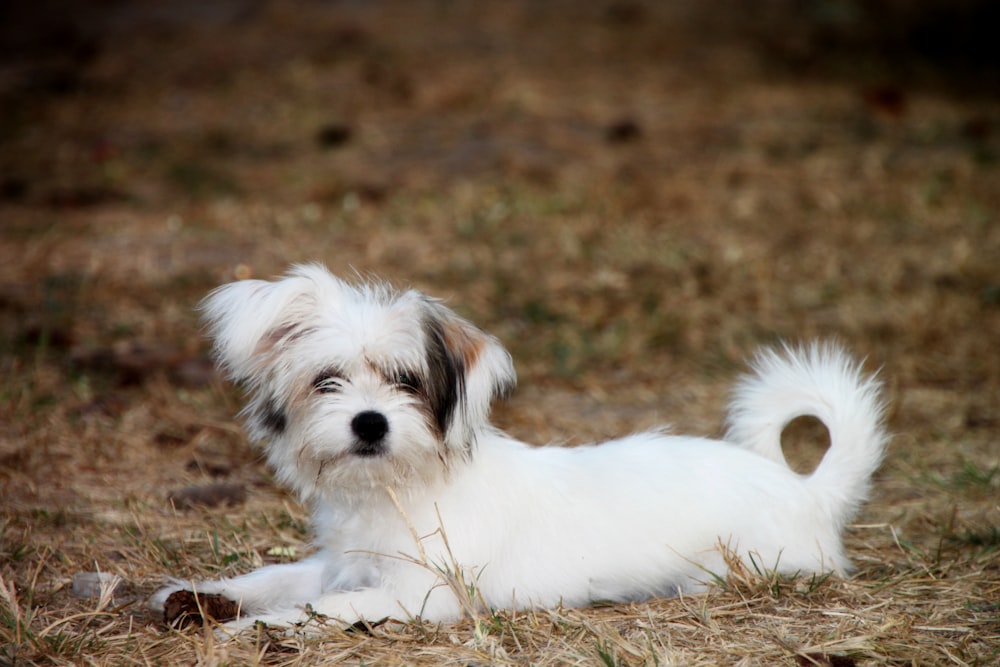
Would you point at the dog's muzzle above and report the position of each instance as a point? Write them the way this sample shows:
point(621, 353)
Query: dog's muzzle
point(370, 427)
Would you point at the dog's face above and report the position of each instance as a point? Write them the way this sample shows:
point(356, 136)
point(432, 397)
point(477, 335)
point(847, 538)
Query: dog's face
point(354, 387)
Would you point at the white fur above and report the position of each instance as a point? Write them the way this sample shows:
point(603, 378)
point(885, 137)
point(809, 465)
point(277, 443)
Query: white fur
point(453, 513)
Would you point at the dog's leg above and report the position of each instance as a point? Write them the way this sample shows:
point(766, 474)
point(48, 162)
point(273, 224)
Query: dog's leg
point(348, 608)
point(270, 587)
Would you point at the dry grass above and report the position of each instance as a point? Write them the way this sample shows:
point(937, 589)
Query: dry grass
point(631, 198)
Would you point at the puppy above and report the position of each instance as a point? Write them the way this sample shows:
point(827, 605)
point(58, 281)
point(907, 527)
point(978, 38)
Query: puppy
point(373, 406)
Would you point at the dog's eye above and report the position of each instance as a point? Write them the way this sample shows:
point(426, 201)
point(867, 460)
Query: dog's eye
point(407, 381)
point(328, 382)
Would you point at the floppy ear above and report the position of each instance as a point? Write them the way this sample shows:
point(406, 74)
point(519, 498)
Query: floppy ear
point(468, 368)
point(247, 319)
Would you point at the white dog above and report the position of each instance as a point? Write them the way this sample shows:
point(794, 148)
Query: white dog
point(373, 406)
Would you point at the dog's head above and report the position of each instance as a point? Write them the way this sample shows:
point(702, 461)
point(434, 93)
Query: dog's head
point(353, 386)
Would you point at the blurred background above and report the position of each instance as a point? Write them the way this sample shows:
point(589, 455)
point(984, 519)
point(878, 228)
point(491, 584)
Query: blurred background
point(630, 194)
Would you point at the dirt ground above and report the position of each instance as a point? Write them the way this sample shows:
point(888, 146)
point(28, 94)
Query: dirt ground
point(633, 196)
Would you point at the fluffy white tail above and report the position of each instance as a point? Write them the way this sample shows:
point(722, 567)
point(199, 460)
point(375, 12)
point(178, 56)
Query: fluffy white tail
point(822, 381)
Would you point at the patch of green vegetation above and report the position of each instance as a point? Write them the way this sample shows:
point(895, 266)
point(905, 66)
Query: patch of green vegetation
point(970, 479)
point(991, 295)
point(16, 551)
point(539, 311)
point(299, 526)
point(46, 518)
point(606, 654)
point(165, 553)
point(21, 641)
point(984, 155)
point(668, 332)
point(200, 180)
point(985, 537)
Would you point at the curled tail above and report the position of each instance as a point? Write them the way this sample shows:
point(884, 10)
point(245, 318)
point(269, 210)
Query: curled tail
point(822, 381)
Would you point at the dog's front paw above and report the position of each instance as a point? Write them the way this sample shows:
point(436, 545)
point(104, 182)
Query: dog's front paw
point(183, 607)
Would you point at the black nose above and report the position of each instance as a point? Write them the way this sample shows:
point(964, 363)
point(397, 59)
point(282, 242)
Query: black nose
point(370, 426)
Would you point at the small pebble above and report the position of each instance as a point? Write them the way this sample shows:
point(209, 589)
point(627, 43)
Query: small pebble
point(623, 131)
point(89, 584)
point(333, 135)
point(208, 495)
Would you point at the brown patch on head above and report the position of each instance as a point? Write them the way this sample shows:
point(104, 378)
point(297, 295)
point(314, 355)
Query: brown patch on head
point(282, 335)
point(458, 361)
point(463, 340)
point(446, 367)
point(270, 346)
point(269, 411)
